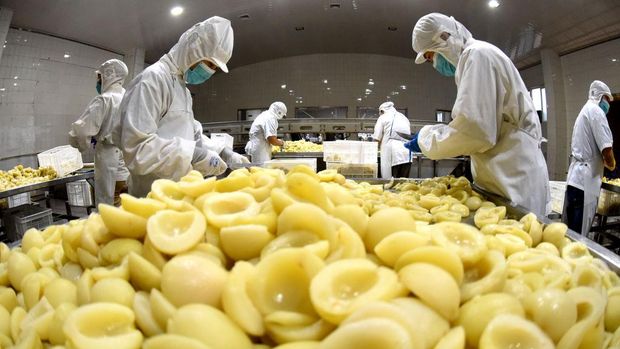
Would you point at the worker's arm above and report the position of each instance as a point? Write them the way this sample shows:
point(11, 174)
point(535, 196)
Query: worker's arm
point(608, 158)
point(273, 140)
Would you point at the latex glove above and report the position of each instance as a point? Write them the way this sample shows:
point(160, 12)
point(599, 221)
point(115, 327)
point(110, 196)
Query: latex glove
point(207, 162)
point(412, 145)
point(230, 157)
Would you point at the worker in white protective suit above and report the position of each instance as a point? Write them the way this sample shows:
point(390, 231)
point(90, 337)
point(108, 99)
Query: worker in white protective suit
point(395, 158)
point(494, 119)
point(157, 129)
point(96, 125)
point(591, 149)
point(264, 133)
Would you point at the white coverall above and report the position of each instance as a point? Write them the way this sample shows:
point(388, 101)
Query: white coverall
point(494, 119)
point(157, 129)
point(98, 121)
point(264, 126)
point(393, 151)
point(591, 134)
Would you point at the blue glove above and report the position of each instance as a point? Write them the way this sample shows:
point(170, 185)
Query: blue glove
point(412, 145)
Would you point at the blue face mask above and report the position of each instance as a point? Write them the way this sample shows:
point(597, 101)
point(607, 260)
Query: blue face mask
point(199, 74)
point(441, 64)
point(98, 87)
point(604, 105)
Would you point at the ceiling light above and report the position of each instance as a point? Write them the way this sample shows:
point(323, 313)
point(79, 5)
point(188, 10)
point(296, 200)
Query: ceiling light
point(324, 81)
point(493, 3)
point(177, 10)
point(359, 99)
point(329, 88)
point(14, 84)
point(614, 59)
point(403, 87)
point(371, 82)
point(3, 89)
point(67, 55)
point(283, 86)
point(15, 77)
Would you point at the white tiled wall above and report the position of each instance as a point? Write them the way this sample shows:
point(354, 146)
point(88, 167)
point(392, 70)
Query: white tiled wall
point(258, 85)
point(42, 92)
point(581, 68)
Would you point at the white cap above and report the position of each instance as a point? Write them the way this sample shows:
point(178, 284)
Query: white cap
point(426, 36)
point(278, 109)
point(386, 106)
point(112, 71)
point(211, 40)
point(598, 89)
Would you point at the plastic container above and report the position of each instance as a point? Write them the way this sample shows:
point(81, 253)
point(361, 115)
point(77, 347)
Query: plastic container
point(64, 159)
point(18, 200)
point(19, 219)
point(79, 193)
point(608, 203)
point(223, 139)
point(350, 152)
point(287, 164)
point(354, 170)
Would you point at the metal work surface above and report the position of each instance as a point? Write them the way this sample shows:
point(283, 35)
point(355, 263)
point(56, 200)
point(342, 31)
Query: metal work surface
point(27, 188)
point(284, 154)
point(516, 211)
point(611, 187)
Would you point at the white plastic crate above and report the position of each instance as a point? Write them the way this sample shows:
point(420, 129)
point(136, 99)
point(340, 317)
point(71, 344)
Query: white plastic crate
point(287, 164)
point(79, 193)
point(18, 200)
point(224, 139)
point(354, 170)
point(64, 159)
point(19, 219)
point(350, 152)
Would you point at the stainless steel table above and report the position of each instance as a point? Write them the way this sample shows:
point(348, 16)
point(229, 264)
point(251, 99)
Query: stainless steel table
point(87, 174)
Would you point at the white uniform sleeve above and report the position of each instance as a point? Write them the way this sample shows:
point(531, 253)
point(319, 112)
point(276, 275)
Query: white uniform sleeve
point(89, 123)
point(270, 127)
point(145, 152)
point(197, 131)
point(601, 131)
point(378, 134)
point(477, 113)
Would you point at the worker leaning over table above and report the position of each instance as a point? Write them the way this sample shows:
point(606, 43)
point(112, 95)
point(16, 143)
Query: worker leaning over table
point(157, 131)
point(95, 126)
point(494, 119)
point(264, 133)
point(395, 159)
point(591, 149)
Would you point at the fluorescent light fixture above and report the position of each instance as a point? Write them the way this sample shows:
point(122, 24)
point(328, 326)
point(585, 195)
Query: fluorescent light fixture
point(325, 81)
point(359, 99)
point(3, 89)
point(614, 59)
point(493, 3)
point(371, 83)
point(329, 88)
point(403, 87)
point(67, 55)
point(283, 86)
point(177, 10)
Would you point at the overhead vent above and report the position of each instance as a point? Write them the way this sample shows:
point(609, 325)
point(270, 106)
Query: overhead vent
point(334, 5)
point(392, 29)
point(244, 17)
point(299, 28)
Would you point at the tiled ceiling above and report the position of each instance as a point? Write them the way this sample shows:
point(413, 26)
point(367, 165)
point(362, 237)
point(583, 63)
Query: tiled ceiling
point(519, 27)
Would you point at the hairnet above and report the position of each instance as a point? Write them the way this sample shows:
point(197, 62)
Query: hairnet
point(597, 90)
point(386, 106)
point(279, 109)
point(112, 71)
point(426, 37)
point(211, 39)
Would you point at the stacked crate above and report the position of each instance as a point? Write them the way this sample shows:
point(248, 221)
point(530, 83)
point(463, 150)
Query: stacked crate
point(352, 159)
